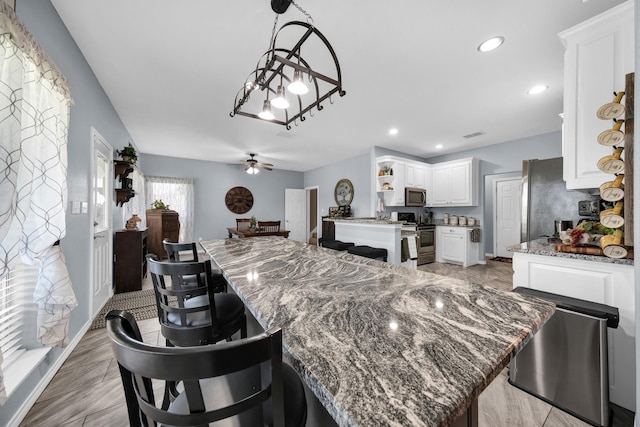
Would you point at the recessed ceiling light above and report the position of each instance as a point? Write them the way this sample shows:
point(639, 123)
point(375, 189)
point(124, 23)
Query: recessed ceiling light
point(537, 89)
point(393, 131)
point(439, 146)
point(491, 44)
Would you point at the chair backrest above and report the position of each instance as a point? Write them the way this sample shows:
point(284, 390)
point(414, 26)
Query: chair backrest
point(268, 226)
point(174, 249)
point(173, 254)
point(243, 223)
point(185, 301)
point(215, 377)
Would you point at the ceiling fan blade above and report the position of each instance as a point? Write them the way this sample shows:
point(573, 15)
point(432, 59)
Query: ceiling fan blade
point(265, 167)
point(264, 164)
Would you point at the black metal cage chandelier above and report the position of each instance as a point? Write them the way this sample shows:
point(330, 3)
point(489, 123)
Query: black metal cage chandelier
point(280, 68)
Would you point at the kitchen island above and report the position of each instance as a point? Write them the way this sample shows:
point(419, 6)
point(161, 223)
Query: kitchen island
point(538, 265)
point(379, 344)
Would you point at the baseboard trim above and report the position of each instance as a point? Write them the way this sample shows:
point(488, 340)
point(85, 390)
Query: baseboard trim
point(26, 406)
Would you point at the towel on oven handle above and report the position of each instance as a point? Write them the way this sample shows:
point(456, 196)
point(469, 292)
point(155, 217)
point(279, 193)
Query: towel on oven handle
point(408, 248)
point(475, 235)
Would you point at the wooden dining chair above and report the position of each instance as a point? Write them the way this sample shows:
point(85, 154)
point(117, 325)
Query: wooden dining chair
point(244, 382)
point(188, 252)
point(242, 223)
point(193, 315)
point(268, 226)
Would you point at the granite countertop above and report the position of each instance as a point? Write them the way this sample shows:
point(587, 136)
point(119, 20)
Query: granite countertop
point(543, 247)
point(371, 220)
point(379, 344)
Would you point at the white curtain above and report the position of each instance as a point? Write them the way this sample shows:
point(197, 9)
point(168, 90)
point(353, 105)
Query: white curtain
point(138, 204)
point(178, 194)
point(34, 118)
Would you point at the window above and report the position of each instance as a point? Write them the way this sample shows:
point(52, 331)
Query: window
point(17, 325)
point(178, 194)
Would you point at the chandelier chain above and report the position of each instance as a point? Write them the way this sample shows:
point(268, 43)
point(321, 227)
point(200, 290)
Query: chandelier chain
point(273, 31)
point(304, 12)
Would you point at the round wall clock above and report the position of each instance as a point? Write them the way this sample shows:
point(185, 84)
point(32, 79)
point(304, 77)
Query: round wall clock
point(343, 193)
point(239, 200)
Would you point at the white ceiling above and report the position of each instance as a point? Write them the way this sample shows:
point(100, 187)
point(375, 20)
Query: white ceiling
point(172, 70)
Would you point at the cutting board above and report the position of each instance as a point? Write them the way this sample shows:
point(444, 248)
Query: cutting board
point(587, 250)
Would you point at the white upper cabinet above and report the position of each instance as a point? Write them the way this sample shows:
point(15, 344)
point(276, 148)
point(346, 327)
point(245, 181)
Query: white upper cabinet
point(598, 54)
point(415, 175)
point(455, 183)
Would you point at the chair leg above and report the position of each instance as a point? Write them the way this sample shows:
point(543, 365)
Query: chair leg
point(243, 328)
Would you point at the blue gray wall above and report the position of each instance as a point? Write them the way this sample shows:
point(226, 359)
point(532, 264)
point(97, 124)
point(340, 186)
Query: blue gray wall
point(212, 180)
point(91, 108)
point(357, 170)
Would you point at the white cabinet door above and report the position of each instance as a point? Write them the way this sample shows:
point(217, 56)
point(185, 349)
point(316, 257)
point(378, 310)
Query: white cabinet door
point(441, 176)
point(410, 175)
point(455, 183)
point(451, 244)
point(460, 193)
point(419, 176)
point(599, 53)
point(398, 194)
point(414, 175)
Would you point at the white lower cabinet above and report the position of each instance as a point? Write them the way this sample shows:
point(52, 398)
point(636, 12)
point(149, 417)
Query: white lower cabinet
point(454, 245)
point(601, 282)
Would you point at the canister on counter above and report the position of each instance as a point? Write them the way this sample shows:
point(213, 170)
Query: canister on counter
point(453, 220)
point(462, 220)
point(446, 219)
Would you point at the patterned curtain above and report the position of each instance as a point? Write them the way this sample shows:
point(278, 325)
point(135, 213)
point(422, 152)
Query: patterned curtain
point(34, 118)
point(178, 194)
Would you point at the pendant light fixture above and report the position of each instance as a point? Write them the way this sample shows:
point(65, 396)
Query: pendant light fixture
point(266, 113)
point(283, 67)
point(280, 101)
point(297, 86)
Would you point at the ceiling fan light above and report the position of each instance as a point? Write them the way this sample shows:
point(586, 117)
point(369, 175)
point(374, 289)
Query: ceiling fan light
point(252, 170)
point(297, 86)
point(266, 113)
point(280, 101)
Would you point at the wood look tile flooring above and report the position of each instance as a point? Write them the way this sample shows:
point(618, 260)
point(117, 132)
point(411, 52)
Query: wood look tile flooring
point(87, 389)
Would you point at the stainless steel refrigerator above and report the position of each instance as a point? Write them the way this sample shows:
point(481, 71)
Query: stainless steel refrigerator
point(545, 198)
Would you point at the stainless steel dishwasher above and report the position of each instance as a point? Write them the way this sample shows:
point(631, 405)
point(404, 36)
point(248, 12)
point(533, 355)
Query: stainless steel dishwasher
point(566, 363)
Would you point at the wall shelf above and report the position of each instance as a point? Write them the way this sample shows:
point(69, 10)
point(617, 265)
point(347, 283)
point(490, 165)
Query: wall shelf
point(121, 171)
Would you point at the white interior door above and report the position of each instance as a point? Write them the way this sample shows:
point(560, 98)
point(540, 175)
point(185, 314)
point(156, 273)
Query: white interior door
point(101, 200)
point(295, 214)
point(507, 218)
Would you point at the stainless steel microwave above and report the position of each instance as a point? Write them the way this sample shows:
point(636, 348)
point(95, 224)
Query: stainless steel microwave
point(415, 196)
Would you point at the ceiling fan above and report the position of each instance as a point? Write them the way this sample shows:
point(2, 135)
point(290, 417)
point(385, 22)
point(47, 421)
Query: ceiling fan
point(252, 165)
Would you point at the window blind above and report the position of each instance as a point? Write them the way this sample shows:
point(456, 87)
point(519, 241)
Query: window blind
point(17, 312)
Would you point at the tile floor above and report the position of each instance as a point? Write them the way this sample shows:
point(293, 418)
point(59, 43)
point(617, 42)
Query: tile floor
point(87, 390)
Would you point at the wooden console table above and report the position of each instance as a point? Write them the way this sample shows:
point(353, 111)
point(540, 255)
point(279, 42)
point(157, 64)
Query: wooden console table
point(247, 233)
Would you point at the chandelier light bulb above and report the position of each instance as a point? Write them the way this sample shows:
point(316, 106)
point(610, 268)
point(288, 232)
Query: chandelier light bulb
point(297, 86)
point(266, 113)
point(280, 101)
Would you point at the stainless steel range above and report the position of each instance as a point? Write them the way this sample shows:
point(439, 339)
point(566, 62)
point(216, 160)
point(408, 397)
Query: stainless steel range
point(425, 235)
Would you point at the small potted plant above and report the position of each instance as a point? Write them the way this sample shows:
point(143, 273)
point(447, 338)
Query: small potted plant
point(128, 154)
point(253, 224)
point(159, 204)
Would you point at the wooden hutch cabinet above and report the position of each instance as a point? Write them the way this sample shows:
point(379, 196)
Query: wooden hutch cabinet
point(161, 224)
point(130, 262)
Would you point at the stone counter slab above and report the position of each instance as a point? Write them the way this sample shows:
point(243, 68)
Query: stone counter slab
point(378, 344)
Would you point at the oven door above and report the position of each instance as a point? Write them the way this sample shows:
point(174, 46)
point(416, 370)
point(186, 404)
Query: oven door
point(427, 238)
